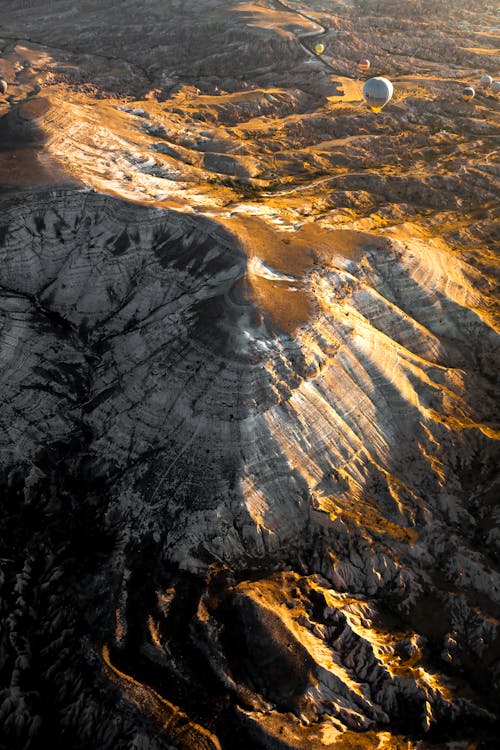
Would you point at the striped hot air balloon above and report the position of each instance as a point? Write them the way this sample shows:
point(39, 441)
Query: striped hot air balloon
point(363, 65)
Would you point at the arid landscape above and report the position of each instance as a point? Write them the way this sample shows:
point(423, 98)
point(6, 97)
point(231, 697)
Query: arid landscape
point(249, 361)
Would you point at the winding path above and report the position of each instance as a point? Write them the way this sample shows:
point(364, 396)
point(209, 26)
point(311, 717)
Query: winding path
point(307, 34)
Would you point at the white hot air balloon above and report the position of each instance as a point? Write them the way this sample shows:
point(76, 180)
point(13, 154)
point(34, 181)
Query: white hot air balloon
point(468, 93)
point(377, 92)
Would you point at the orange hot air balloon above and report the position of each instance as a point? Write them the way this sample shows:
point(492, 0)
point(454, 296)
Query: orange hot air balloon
point(363, 65)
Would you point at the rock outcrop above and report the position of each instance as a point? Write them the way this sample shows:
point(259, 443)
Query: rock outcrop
point(150, 347)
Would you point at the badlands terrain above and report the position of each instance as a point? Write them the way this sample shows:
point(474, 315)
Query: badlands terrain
point(248, 377)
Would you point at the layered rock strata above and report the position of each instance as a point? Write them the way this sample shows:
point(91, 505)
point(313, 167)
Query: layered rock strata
point(154, 356)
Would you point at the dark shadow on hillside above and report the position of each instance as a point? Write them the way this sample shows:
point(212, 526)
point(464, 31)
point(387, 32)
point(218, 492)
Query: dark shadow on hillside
point(147, 481)
point(23, 160)
point(188, 462)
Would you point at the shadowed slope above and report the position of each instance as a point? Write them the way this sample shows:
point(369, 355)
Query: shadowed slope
point(341, 447)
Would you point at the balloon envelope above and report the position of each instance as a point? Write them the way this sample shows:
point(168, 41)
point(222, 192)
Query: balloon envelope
point(364, 64)
point(495, 87)
point(3, 86)
point(486, 82)
point(377, 92)
point(468, 93)
point(319, 49)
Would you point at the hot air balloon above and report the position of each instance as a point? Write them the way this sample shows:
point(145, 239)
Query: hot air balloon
point(486, 82)
point(468, 93)
point(377, 92)
point(3, 86)
point(495, 87)
point(319, 48)
point(363, 65)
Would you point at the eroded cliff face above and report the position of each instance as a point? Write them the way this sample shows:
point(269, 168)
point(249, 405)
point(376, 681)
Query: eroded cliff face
point(248, 423)
point(303, 517)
